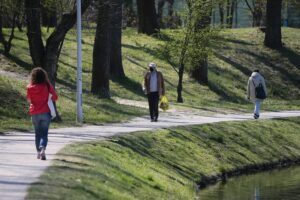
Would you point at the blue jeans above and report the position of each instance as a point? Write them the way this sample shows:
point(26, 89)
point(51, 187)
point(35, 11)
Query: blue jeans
point(41, 124)
point(257, 107)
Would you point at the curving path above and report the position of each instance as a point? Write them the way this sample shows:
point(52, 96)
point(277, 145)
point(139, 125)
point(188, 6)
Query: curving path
point(19, 167)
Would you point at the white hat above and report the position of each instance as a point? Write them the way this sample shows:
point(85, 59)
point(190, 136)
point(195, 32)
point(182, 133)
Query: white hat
point(153, 65)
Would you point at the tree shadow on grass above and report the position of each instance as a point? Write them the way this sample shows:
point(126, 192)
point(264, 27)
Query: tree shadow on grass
point(19, 61)
point(235, 64)
point(236, 41)
point(131, 85)
point(224, 93)
point(135, 62)
point(14, 104)
point(69, 85)
point(73, 67)
point(292, 56)
point(20, 38)
point(284, 72)
point(144, 48)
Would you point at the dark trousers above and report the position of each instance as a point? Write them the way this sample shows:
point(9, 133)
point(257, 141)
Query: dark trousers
point(153, 100)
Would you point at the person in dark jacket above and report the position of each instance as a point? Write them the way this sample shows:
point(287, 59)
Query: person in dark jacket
point(38, 92)
point(154, 88)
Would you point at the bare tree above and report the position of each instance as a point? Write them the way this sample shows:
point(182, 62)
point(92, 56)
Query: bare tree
point(160, 6)
point(11, 11)
point(47, 55)
point(257, 8)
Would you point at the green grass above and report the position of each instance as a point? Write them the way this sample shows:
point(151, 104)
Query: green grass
point(238, 52)
point(165, 164)
point(14, 107)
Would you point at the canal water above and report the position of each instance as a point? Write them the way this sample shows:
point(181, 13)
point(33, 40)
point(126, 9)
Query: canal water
point(279, 184)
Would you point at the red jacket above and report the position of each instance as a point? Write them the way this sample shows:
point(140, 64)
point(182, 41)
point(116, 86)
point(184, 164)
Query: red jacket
point(37, 95)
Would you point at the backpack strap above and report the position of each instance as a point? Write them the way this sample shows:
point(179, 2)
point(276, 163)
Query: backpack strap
point(253, 83)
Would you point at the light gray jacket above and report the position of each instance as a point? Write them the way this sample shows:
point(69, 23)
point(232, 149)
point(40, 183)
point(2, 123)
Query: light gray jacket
point(254, 80)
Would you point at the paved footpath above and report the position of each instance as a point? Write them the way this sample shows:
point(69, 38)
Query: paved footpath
point(19, 167)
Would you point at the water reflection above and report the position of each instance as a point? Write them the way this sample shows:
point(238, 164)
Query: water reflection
point(281, 184)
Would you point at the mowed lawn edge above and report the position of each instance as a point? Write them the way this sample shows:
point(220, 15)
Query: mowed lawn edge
point(167, 163)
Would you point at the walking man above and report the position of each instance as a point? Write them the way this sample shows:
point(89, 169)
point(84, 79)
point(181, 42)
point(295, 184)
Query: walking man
point(154, 88)
point(256, 91)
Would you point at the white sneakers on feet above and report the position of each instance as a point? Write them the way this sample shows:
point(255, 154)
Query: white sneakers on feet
point(43, 154)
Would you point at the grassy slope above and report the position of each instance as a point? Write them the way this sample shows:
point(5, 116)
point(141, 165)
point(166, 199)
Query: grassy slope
point(96, 111)
point(14, 107)
point(239, 53)
point(165, 164)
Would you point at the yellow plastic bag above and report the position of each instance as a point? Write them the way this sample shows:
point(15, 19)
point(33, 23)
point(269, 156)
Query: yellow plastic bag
point(164, 103)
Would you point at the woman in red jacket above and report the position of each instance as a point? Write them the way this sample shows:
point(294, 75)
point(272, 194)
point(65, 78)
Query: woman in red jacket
point(37, 94)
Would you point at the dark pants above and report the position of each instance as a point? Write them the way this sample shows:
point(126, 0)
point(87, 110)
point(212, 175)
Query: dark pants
point(153, 100)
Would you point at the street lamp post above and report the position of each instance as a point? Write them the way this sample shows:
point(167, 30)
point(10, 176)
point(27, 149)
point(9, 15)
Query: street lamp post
point(79, 65)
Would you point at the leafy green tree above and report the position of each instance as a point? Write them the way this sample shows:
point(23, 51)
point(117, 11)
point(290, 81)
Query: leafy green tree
point(201, 39)
point(190, 48)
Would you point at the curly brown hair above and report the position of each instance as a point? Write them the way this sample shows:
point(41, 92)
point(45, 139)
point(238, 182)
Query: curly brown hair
point(38, 76)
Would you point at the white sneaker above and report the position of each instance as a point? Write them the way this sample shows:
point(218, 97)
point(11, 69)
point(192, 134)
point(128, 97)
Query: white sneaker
point(43, 154)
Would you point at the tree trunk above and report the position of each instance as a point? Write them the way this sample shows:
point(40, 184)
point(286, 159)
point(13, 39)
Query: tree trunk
point(229, 13)
point(47, 56)
point(49, 17)
point(179, 86)
point(183, 52)
point(116, 66)
point(221, 12)
point(170, 8)
point(256, 11)
point(34, 34)
point(19, 20)
point(256, 20)
point(147, 17)
point(102, 51)
point(130, 15)
point(233, 2)
point(7, 44)
point(200, 73)
point(160, 6)
point(273, 28)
